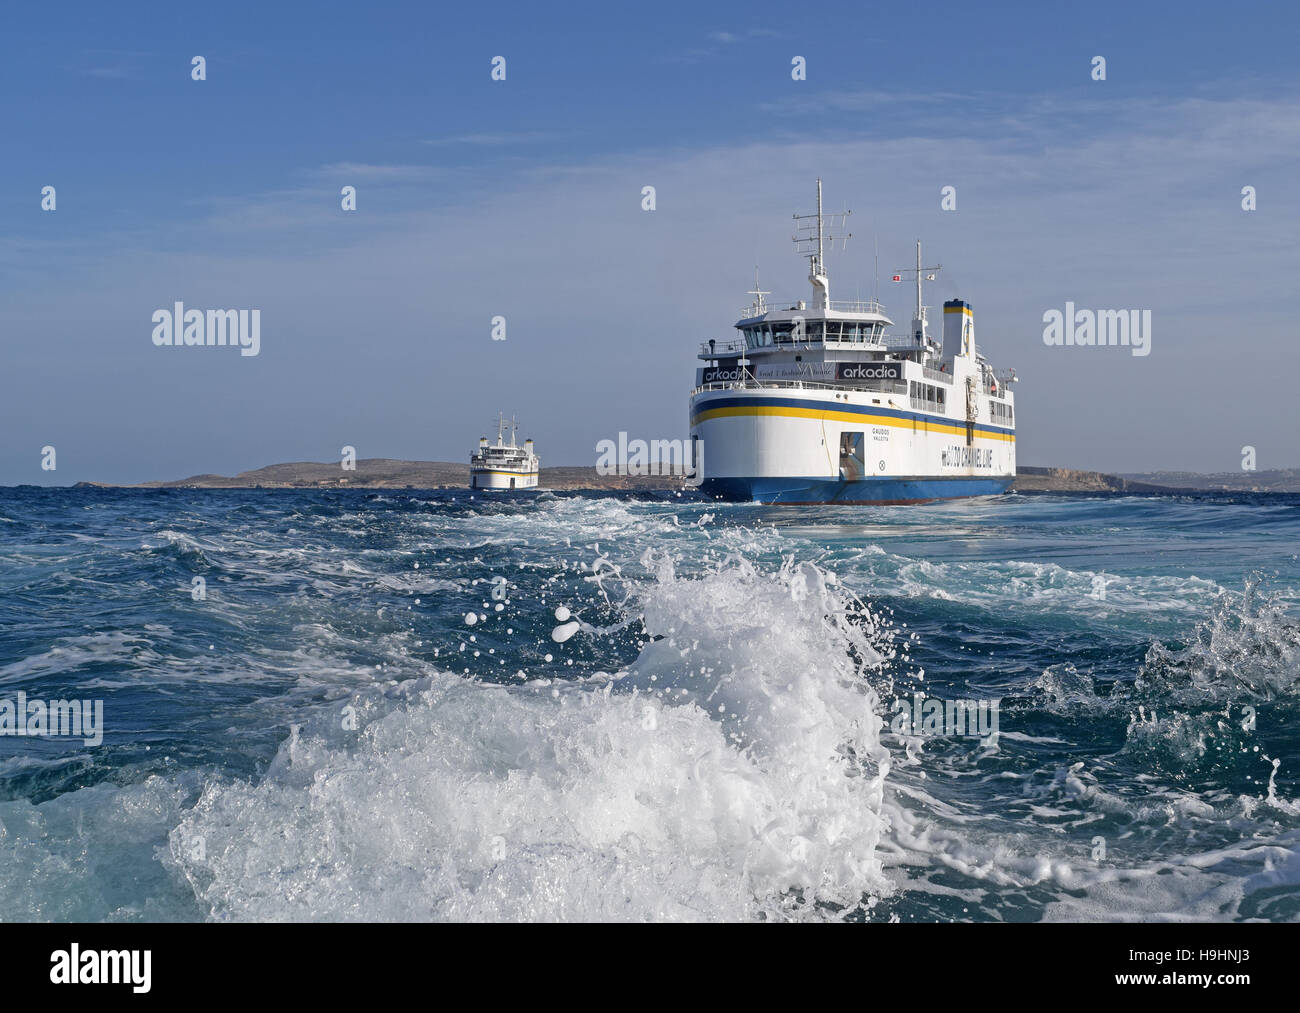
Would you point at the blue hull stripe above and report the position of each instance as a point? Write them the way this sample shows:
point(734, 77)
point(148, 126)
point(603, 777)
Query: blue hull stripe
point(867, 490)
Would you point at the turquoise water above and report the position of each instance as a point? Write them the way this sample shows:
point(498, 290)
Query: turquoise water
point(664, 708)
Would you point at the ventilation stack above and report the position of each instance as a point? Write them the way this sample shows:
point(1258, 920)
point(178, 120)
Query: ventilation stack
point(958, 329)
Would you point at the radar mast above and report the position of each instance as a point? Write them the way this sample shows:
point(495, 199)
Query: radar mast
point(813, 233)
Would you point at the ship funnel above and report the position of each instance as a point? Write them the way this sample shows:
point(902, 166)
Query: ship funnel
point(528, 446)
point(958, 329)
point(482, 443)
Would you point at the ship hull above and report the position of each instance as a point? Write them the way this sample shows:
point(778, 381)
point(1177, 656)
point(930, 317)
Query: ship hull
point(502, 481)
point(873, 491)
point(797, 445)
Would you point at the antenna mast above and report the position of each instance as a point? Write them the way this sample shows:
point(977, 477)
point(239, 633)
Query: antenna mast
point(810, 239)
point(918, 322)
point(821, 260)
point(759, 305)
point(875, 242)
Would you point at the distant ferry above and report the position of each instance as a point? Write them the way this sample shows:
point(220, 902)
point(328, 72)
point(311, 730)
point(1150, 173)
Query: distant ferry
point(818, 405)
point(505, 465)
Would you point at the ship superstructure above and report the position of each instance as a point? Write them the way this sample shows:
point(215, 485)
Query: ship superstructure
point(816, 403)
point(504, 465)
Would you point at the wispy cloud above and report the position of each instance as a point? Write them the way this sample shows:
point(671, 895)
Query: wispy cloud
point(727, 38)
point(498, 138)
point(108, 72)
point(109, 64)
point(362, 171)
point(720, 41)
point(867, 100)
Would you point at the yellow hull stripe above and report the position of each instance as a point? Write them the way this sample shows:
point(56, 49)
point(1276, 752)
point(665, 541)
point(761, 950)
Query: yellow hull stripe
point(858, 418)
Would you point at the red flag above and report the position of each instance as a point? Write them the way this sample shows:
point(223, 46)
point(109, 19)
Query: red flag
point(898, 277)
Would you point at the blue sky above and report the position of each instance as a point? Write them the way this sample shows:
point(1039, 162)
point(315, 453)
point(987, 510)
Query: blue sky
point(522, 199)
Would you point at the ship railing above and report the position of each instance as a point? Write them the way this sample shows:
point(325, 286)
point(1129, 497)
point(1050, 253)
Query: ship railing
point(497, 458)
point(792, 306)
point(855, 306)
point(937, 374)
point(731, 346)
point(836, 344)
point(875, 387)
point(726, 349)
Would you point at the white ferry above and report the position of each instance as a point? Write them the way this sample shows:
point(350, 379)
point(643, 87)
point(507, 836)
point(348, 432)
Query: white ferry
point(817, 404)
point(505, 465)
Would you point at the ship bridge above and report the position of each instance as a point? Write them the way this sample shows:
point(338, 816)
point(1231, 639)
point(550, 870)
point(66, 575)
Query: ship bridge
point(858, 325)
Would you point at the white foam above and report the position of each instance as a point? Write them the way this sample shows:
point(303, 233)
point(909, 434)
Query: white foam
point(619, 798)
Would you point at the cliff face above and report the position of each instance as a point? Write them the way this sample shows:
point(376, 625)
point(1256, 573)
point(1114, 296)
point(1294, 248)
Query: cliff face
point(1272, 480)
point(1060, 479)
point(1068, 480)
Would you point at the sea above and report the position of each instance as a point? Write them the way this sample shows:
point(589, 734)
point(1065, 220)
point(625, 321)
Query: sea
point(436, 705)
